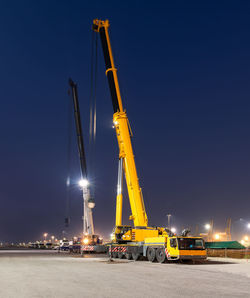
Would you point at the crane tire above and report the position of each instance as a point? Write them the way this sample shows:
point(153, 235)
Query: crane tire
point(128, 256)
point(135, 256)
point(120, 255)
point(115, 254)
point(160, 255)
point(151, 254)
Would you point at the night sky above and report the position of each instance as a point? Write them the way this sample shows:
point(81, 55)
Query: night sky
point(184, 73)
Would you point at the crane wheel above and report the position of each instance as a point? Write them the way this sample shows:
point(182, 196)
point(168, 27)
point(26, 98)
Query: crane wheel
point(160, 255)
point(120, 255)
point(128, 256)
point(135, 256)
point(115, 254)
point(151, 254)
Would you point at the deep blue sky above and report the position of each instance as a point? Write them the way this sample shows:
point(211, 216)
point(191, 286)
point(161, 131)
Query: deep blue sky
point(184, 70)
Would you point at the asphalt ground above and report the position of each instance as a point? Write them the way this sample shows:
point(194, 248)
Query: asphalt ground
point(40, 273)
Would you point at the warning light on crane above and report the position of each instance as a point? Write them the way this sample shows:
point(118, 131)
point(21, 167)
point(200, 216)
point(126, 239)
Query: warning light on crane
point(83, 182)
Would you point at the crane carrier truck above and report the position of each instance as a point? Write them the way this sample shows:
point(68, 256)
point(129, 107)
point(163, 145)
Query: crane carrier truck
point(155, 243)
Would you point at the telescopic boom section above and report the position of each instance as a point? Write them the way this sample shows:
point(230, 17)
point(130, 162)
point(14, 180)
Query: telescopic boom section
point(120, 120)
point(79, 135)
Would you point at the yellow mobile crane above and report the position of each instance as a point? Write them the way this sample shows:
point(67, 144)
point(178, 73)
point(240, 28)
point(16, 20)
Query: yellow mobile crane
point(141, 240)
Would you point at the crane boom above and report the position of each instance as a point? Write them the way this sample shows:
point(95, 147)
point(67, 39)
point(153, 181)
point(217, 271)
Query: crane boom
point(155, 243)
point(121, 124)
point(88, 203)
point(79, 134)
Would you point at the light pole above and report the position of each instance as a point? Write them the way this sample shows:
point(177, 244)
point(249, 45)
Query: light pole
point(45, 236)
point(209, 227)
point(169, 221)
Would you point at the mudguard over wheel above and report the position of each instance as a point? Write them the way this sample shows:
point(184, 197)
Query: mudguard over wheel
point(151, 254)
point(160, 255)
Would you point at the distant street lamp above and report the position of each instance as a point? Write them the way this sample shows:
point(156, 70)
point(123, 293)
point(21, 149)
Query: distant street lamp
point(45, 236)
point(169, 221)
point(207, 226)
point(248, 225)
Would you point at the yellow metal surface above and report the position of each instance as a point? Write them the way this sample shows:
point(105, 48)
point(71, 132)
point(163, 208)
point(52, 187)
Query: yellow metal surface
point(124, 141)
point(126, 152)
point(118, 218)
point(155, 241)
point(139, 235)
point(173, 251)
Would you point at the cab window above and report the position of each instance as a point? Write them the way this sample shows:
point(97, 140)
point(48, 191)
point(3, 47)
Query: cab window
point(173, 242)
point(191, 243)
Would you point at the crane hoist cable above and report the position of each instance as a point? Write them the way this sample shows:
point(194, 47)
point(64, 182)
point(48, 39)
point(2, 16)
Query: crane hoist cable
point(69, 148)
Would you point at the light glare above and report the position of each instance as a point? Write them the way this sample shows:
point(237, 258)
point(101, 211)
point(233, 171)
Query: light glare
point(85, 241)
point(217, 236)
point(83, 182)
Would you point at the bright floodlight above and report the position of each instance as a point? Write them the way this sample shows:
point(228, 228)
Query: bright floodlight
point(85, 241)
point(207, 226)
point(83, 182)
point(173, 230)
point(248, 225)
point(217, 236)
point(246, 238)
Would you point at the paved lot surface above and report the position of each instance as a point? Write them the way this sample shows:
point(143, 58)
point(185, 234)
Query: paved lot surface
point(26, 274)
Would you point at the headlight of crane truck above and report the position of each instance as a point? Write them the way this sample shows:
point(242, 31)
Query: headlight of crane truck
point(155, 243)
